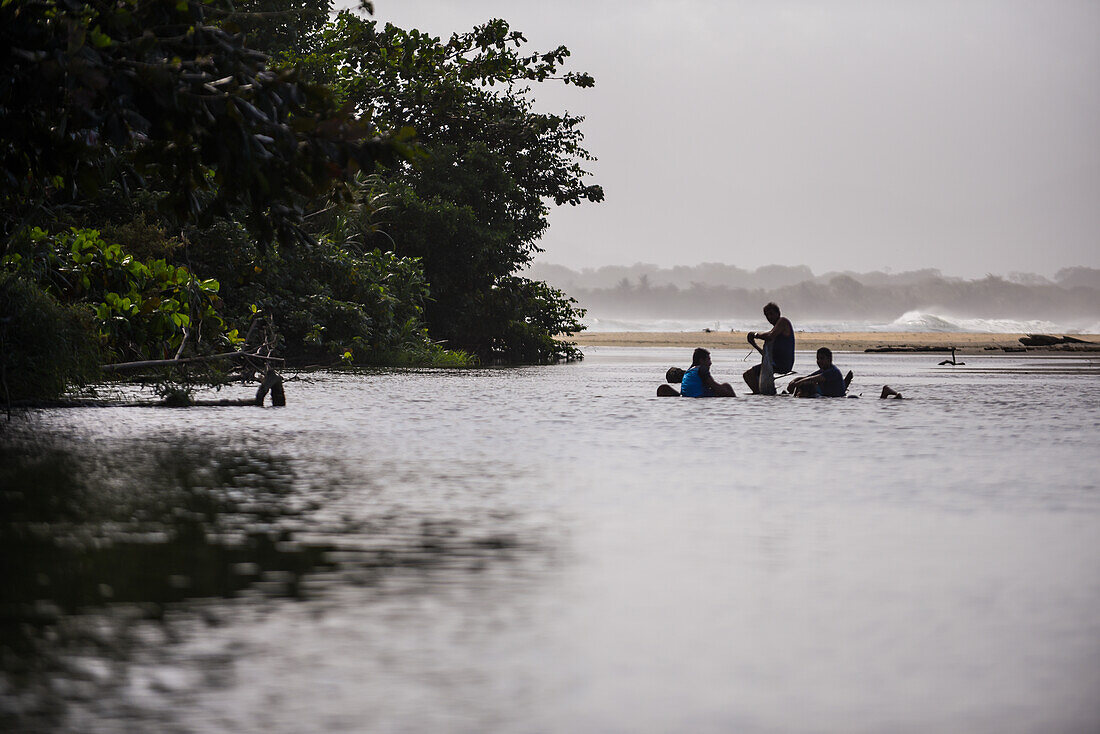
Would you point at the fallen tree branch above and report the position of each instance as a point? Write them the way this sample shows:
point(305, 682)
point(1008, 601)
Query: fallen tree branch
point(120, 366)
point(272, 383)
point(183, 342)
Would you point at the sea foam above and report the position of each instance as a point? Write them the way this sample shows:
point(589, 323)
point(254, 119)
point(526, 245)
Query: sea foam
point(922, 321)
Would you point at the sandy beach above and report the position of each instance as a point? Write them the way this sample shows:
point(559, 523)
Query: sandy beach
point(841, 341)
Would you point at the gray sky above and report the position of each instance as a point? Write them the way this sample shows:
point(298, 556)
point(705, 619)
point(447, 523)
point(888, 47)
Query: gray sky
point(962, 135)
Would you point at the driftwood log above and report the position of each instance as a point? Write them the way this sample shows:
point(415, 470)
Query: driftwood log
point(255, 358)
point(152, 363)
point(907, 348)
point(253, 362)
point(272, 381)
point(1040, 340)
point(1047, 340)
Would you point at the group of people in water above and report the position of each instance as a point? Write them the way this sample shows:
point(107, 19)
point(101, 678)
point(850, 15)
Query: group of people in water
point(778, 360)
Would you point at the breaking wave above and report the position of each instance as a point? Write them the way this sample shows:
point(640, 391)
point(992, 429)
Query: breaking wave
point(921, 321)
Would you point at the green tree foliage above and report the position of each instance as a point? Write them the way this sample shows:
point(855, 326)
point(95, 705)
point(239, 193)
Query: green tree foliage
point(279, 27)
point(474, 208)
point(333, 303)
point(44, 346)
point(527, 315)
point(141, 310)
point(147, 92)
point(140, 117)
point(158, 139)
point(335, 297)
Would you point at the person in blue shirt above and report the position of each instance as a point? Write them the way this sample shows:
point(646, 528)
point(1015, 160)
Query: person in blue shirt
point(781, 338)
point(826, 382)
point(696, 382)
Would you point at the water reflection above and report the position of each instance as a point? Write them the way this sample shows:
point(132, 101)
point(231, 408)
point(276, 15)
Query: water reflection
point(553, 549)
point(110, 551)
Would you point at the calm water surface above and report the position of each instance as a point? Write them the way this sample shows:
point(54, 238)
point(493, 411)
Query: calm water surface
point(554, 550)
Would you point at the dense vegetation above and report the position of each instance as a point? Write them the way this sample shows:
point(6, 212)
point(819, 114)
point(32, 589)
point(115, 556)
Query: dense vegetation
point(170, 170)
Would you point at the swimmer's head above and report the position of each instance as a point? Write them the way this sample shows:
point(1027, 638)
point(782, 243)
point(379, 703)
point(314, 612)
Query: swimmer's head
point(700, 356)
point(824, 357)
point(674, 376)
point(771, 312)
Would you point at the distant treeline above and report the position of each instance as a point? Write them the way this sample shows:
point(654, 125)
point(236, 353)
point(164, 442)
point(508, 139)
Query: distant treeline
point(717, 290)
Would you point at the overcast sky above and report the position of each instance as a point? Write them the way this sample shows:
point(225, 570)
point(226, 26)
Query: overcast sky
point(962, 135)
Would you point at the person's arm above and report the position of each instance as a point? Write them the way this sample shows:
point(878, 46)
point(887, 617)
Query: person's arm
point(716, 388)
point(705, 376)
point(814, 378)
point(781, 328)
point(752, 340)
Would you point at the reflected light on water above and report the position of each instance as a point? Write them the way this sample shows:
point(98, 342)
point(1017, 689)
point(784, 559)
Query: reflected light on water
point(553, 549)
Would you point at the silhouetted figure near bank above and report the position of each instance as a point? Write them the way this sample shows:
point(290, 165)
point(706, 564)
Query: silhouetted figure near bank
point(778, 352)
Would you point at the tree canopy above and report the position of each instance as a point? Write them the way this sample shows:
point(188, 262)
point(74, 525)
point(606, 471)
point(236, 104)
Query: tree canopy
point(474, 208)
point(373, 191)
point(140, 90)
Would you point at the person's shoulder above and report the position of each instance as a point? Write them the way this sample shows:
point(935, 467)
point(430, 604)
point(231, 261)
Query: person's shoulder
point(787, 322)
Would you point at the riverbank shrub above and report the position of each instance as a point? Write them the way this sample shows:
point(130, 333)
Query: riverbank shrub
point(334, 301)
point(517, 320)
point(45, 347)
point(331, 304)
point(141, 310)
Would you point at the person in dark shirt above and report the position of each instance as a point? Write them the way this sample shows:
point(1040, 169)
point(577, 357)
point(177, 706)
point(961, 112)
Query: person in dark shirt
point(826, 382)
point(697, 381)
point(781, 338)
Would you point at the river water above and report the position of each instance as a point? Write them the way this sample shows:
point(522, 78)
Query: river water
point(551, 549)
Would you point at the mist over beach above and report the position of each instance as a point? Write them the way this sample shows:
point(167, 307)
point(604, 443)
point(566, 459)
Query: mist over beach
point(645, 297)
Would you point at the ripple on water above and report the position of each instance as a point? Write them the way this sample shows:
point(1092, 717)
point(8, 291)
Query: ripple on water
point(554, 549)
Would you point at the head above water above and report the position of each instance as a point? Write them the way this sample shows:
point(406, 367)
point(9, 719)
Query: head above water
point(771, 312)
point(700, 356)
point(674, 376)
point(824, 357)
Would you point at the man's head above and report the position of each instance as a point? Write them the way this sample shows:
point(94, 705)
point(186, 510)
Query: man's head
point(674, 376)
point(824, 357)
point(700, 357)
point(771, 313)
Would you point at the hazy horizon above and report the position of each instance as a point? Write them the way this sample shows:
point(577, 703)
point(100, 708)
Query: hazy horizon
point(769, 275)
point(853, 135)
point(1011, 275)
point(644, 297)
